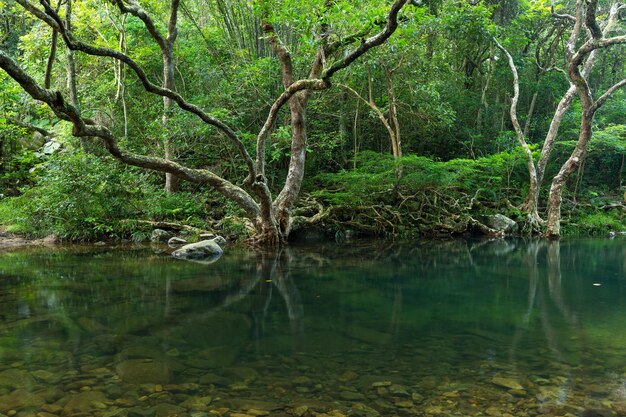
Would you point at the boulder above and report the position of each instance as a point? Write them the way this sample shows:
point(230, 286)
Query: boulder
point(201, 250)
point(160, 236)
point(500, 223)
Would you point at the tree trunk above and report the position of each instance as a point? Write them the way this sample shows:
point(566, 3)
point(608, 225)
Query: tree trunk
point(553, 226)
point(171, 181)
point(291, 190)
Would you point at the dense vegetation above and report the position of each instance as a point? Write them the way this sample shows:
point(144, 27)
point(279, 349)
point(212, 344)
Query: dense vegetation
point(413, 117)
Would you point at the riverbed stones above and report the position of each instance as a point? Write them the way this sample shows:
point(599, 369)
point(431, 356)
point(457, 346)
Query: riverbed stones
point(351, 396)
point(144, 371)
point(84, 402)
point(203, 250)
point(15, 378)
point(167, 410)
point(507, 382)
point(20, 399)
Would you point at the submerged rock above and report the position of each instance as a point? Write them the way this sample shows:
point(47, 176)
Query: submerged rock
point(84, 402)
point(201, 250)
point(509, 383)
point(19, 399)
point(141, 371)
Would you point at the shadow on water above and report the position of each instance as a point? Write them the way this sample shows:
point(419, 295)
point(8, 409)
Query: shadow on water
point(499, 328)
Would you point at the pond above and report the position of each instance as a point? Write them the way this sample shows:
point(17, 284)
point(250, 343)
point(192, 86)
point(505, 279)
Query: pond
point(457, 328)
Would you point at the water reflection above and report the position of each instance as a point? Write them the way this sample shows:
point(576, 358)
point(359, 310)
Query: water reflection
point(431, 328)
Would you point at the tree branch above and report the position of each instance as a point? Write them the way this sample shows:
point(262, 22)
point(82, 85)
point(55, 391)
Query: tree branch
point(607, 94)
point(367, 44)
point(266, 130)
point(51, 18)
point(83, 128)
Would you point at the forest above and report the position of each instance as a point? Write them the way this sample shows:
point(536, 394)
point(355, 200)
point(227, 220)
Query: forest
point(272, 120)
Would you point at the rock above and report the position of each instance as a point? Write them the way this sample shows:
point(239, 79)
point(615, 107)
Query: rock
point(499, 223)
point(45, 376)
point(175, 242)
point(509, 383)
point(141, 412)
point(351, 396)
point(167, 410)
point(416, 397)
point(381, 384)
point(91, 325)
point(84, 402)
point(215, 357)
point(398, 391)
point(15, 378)
point(493, 412)
point(160, 236)
point(240, 373)
point(197, 403)
point(300, 411)
point(201, 250)
point(209, 378)
point(364, 410)
point(140, 371)
point(19, 399)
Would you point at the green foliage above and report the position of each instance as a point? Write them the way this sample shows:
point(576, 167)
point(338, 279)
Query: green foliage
point(85, 197)
point(493, 178)
point(596, 224)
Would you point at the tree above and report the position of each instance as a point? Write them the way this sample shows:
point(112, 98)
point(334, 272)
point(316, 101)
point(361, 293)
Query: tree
point(335, 51)
point(579, 53)
point(532, 198)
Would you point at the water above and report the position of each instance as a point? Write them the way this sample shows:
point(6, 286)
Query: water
point(459, 328)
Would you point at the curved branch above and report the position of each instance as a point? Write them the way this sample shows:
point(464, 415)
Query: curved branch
point(84, 128)
point(607, 94)
point(52, 19)
point(300, 85)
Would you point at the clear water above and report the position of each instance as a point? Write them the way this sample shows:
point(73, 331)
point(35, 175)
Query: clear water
point(458, 328)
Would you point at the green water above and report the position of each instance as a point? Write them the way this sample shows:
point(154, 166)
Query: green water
point(459, 328)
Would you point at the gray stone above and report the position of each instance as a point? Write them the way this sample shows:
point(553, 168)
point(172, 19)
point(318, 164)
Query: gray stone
point(141, 371)
point(167, 410)
point(83, 402)
point(505, 382)
point(19, 399)
point(15, 378)
point(351, 396)
point(176, 241)
point(197, 403)
point(398, 391)
point(201, 250)
point(161, 236)
point(500, 223)
point(214, 357)
point(141, 412)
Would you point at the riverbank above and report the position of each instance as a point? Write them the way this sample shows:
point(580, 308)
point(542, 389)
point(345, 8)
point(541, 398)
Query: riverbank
point(9, 241)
